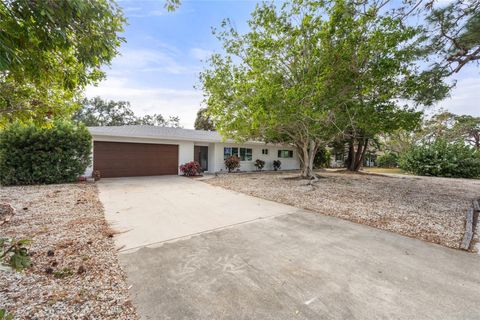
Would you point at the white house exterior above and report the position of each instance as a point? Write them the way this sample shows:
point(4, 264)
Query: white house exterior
point(151, 150)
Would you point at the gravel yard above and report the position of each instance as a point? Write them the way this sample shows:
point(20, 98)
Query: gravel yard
point(75, 272)
point(431, 209)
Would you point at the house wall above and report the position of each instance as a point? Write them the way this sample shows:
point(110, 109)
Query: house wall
point(215, 153)
point(287, 164)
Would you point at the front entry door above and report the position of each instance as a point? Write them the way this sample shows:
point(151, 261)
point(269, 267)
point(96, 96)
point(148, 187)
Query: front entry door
point(201, 156)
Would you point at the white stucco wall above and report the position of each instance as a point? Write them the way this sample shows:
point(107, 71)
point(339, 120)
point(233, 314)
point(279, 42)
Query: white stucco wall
point(287, 163)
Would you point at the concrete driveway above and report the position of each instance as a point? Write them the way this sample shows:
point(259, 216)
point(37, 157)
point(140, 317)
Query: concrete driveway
point(292, 264)
point(152, 210)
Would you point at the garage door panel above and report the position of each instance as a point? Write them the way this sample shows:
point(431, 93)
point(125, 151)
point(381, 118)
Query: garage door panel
point(121, 159)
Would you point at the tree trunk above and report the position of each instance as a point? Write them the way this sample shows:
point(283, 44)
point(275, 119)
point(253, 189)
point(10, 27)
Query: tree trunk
point(355, 157)
point(351, 155)
point(306, 153)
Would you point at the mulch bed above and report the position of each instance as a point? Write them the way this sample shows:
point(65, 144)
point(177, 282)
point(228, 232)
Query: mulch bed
point(75, 272)
point(427, 208)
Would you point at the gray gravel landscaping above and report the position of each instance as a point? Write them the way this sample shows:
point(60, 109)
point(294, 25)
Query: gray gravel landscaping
point(427, 208)
point(75, 272)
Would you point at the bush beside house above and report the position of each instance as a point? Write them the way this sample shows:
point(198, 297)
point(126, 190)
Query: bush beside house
point(232, 163)
point(442, 159)
point(259, 164)
point(190, 169)
point(277, 164)
point(58, 153)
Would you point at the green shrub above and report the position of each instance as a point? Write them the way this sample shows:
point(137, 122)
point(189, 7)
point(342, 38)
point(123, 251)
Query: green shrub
point(259, 164)
point(442, 159)
point(322, 158)
point(277, 164)
point(388, 160)
point(232, 163)
point(32, 155)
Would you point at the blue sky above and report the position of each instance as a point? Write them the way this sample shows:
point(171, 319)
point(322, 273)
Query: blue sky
point(159, 64)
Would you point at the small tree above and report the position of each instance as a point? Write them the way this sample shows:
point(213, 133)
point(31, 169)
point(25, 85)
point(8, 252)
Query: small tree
point(55, 154)
point(232, 163)
point(259, 164)
point(442, 159)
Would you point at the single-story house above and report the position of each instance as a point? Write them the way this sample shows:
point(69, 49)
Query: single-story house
point(140, 150)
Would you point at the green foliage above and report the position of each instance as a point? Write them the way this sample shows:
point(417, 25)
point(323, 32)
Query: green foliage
point(467, 128)
point(309, 72)
point(14, 253)
point(51, 50)
point(63, 273)
point(322, 158)
point(191, 168)
point(259, 164)
point(98, 112)
point(277, 164)
point(203, 121)
point(454, 34)
point(4, 315)
point(443, 159)
point(388, 160)
point(232, 163)
point(54, 154)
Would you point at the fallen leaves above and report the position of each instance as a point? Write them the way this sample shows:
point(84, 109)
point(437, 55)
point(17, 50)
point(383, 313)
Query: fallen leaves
point(75, 272)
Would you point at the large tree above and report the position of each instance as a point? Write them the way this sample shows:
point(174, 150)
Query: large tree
point(50, 50)
point(454, 34)
point(312, 71)
point(98, 112)
point(204, 121)
point(277, 82)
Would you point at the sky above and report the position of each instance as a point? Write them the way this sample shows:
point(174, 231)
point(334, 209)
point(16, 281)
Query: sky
point(158, 66)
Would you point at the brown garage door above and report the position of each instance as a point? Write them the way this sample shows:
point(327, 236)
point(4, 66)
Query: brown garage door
point(119, 159)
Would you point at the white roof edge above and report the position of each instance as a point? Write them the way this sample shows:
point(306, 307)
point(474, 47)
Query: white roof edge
point(106, 135)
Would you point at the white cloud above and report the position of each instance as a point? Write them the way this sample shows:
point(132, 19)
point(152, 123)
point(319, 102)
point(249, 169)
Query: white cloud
point(148, 60)
point(465, 97)
point(166, 101)
point(200, 54)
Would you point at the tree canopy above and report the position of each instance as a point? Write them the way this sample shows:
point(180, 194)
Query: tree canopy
point(203, 121)
point(454, 34)
point(50, 50)
point(98, 112)
point(310, 72)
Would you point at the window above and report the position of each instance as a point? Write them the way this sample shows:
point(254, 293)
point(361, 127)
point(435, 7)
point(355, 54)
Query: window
point(244, 155)
point(285, 153)
point(228, 152)
point(265, 151)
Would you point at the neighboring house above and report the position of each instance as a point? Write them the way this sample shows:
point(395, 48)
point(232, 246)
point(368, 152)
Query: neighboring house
point(123, 151)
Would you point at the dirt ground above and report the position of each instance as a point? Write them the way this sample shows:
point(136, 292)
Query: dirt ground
point(75, 272)
point(427, 208)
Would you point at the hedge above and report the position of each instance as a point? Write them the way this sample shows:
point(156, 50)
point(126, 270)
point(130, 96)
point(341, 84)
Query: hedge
point(387, 160)
point(33, 155)
point(442, 159)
